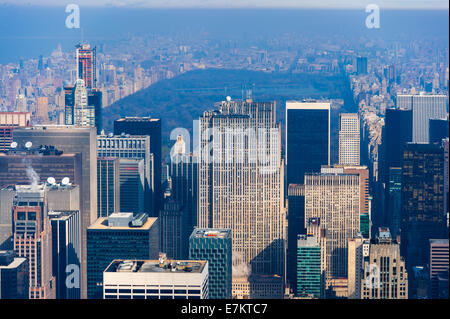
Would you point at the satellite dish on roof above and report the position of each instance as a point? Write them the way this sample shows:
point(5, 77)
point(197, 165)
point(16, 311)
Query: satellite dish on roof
point(228, 98)
point(13, 144)
point(28, 144)
point(65, 181)
point(51, 180)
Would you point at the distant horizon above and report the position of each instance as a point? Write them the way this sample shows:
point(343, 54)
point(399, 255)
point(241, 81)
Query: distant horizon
point(436, 5)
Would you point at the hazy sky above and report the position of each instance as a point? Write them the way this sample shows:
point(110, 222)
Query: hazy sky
point(388, 4)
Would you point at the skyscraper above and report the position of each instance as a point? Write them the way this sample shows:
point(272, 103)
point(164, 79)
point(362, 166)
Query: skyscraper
point(384, 275)
point(358, 249)
point(241, 183)
point(20, 165)
point(87, 65)
point(8, 122)
point(132, 185)
point(108, 185)
point(215, 246)
point(349, 139)
point(309, 271)
point(32, 238)
point(183, 171)
point(333, 199)
point(66, 247)
point(14, 276)
point(114, 237)
point(422, 202)
point(394, 206)
point(296, 226)
point(438, 266)
point(307, 139)
point(150, 127)
point(71, 139)
point(131, 147)
point(424, 107)
point(438, 130)
point(174, 230)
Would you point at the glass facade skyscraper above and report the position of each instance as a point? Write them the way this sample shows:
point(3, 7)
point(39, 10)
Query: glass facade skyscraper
point(309, 274)
point(215, 246)
point(307, 139)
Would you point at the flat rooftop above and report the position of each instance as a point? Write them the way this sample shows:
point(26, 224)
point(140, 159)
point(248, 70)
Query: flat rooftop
point(157, 266)
point(211, 233)
point(102, 224)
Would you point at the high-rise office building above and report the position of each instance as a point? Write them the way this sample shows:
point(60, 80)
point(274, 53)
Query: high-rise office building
point(118, 236)
point(108, 185)
point(397, 132)
point(361, 65)
point(394, 207)
point(83, 114)
point(71, 139)
point(365, 217)
point(174, 230)
point(156, 279)
point(446, 176)
point(183, 171)
point(241, 182)
point(349, 139)
point(384, 273)
point(32, 238)
point(215, 246)
point(307, 139)
point(14, 276)
point(424, 107)
point(21, 165)
point(66, 247)
point(150, 127)
point(6, 203)
point(8, 122)
point(422, 202)
point(309, 271)
point(438, 267)
point(333, 199)
point(258, 287)
point(358, 249)
point(83, 106)
point(438, 130)
point(87, 65)
point(132, 185)
point(131, 147)
point(296, 226)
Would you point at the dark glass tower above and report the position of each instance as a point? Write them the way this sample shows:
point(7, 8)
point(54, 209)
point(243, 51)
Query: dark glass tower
point(307, 139)
point(422, 202)
point(151, 127)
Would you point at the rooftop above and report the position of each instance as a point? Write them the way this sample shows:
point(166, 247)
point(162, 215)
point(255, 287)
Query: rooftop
point(157, 266)
point(211, 233)
point(102, 224)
